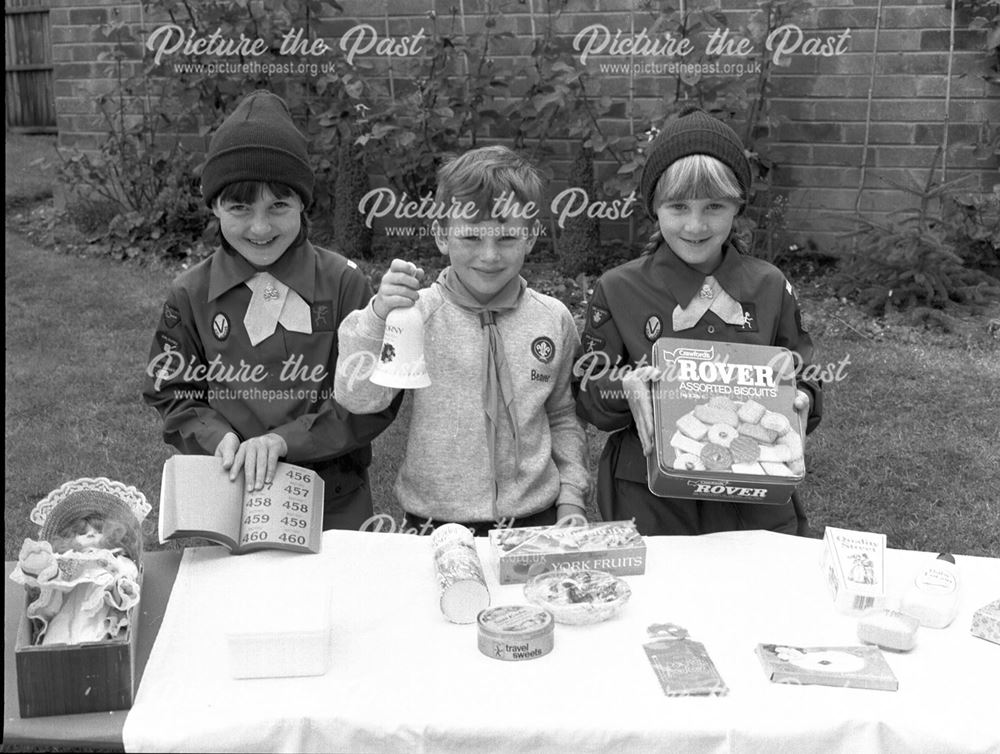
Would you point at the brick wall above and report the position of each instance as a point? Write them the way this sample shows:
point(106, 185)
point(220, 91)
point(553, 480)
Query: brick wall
point(822, 101)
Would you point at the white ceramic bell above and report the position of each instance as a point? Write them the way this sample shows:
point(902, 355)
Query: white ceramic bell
point(401, 362)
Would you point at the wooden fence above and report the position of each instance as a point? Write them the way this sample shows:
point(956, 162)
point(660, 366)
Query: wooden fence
point(28, 67)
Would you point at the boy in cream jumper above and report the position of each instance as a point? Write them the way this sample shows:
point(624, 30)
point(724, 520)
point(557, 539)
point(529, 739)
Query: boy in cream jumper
point(494, 440)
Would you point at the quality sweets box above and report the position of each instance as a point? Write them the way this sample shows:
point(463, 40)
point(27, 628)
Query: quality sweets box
point(613, 546)
point(854, 562)
point(725, 425)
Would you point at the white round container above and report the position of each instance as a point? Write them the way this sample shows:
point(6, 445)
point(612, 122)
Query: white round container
point(460, 573)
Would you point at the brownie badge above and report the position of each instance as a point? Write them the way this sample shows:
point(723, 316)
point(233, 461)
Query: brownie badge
point(749, 318)
point(321, 314)
point(171, 315)
point(598, 316)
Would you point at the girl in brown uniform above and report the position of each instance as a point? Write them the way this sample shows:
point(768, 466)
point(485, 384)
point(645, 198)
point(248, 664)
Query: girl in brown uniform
point(690, 282)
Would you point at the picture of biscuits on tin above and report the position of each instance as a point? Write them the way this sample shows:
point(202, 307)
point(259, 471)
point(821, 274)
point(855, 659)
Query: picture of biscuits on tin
point(737, 437)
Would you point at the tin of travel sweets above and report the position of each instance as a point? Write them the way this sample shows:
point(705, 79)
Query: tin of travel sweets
point(515, 632)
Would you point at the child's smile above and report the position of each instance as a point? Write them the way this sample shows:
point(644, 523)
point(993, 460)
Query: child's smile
point(486, 255)
point(260, 232)
point(697, 229)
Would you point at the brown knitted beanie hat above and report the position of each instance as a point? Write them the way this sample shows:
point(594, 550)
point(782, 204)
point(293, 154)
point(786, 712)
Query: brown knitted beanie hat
point(258, 142)
point(693, 132)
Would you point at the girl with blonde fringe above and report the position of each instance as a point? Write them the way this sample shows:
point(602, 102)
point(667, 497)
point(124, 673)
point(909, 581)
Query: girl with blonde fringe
point(693, 280)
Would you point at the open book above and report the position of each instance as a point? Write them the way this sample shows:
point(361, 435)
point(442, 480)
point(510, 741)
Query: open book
point(198, 500)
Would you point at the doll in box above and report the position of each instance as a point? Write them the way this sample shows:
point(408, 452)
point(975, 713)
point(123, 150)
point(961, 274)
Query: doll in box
point(82, 576)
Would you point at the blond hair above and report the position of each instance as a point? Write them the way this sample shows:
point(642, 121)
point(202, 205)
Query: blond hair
point(697, 176)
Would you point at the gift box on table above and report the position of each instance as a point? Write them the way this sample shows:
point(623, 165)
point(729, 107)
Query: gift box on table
point(986, 622)
point(613, 546)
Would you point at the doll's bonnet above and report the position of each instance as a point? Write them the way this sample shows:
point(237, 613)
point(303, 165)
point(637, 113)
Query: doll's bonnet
point(112, 501)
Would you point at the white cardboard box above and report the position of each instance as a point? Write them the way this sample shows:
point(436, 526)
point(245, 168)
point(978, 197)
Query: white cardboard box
point(854, 562)
point(283, 635)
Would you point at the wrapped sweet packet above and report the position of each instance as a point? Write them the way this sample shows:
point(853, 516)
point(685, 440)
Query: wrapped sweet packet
point(682, 666)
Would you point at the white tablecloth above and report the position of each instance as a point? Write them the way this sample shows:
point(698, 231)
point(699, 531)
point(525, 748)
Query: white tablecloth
point(405, 679)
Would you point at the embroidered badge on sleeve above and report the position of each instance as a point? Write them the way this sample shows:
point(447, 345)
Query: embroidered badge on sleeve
point(598, 316)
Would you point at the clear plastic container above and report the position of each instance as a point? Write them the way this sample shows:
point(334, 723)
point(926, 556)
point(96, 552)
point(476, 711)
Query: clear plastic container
point(578, 597)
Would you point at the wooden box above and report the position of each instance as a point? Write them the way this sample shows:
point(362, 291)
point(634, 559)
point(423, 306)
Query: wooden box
point(64, 679)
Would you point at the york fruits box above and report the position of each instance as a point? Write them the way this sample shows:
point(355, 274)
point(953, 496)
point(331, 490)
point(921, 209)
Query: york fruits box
point(725, 426)
point(613, 546)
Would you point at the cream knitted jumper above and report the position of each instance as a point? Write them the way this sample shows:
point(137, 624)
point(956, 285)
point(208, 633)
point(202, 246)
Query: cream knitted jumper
point(445, 475)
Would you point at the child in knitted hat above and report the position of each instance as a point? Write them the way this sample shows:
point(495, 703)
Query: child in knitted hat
point(691, 282)
point(242, 361)
point(495, 437)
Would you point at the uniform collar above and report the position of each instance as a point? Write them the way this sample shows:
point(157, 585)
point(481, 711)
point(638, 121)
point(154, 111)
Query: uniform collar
point(684, 282)
point(296, 268)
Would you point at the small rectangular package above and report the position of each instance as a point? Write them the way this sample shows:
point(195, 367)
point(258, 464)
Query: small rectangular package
point(725, 425)
point(986, 622)
point(283, 638)
point(66, 679)
point(612, 546)
point(854, 562)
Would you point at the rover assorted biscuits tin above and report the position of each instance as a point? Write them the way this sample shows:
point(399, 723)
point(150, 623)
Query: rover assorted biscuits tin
point(515, 632)
point(725, 425)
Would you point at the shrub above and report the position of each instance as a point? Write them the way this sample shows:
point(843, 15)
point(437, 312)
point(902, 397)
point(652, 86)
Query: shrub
point(353, 237)
point(581, 236)
point(929, 256)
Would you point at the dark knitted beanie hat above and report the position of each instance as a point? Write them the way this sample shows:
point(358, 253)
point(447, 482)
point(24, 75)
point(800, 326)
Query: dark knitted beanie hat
point(258, 142)
point(694, 132)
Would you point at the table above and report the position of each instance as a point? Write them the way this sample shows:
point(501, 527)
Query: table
point(404, 679)
point(97, 729)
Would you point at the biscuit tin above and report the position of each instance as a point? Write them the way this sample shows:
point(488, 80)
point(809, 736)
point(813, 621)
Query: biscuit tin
point(725, 425)
point(986, 622)
point(854, 562)
point(612, 546)
point(515, 632)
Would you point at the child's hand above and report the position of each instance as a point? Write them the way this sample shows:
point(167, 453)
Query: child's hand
point(570, 515)
point(258, 458)
point(226, 449)
point(398, 288)
point(802, 403)
point(640, 402)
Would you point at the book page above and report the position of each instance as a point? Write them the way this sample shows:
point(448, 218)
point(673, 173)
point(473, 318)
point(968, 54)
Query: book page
point(198, 500)
point(285, 514)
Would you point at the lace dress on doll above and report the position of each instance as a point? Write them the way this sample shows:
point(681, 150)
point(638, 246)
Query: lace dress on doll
point(82, 595)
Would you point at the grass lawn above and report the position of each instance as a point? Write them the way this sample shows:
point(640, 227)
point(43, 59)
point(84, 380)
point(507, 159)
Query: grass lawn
point(908, 445)
point(29, 169)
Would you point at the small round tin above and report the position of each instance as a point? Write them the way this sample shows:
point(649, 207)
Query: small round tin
point(515, 632)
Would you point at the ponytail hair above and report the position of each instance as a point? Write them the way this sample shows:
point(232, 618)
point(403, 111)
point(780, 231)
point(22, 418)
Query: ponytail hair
point(655, 239)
